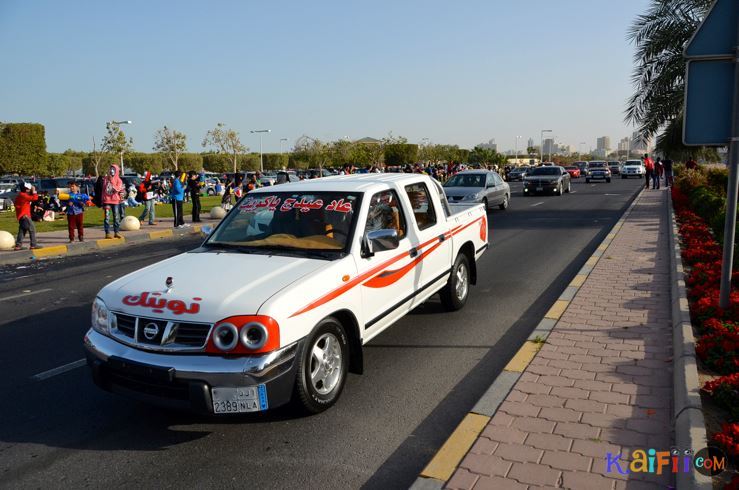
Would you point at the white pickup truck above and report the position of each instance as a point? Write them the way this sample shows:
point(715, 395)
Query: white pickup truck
point(278, 301)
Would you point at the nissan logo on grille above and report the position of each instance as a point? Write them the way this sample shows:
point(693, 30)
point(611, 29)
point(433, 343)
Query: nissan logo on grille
point(151, 330)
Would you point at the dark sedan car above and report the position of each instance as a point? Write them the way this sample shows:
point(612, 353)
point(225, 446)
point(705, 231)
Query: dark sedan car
point(547, 179)
point(517, 173)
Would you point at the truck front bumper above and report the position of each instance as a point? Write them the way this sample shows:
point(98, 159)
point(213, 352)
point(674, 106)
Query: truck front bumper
point(184, 381)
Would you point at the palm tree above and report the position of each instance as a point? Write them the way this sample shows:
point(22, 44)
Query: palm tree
point(660, 35)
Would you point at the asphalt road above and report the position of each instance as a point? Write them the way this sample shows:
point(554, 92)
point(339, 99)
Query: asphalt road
point(421, 376)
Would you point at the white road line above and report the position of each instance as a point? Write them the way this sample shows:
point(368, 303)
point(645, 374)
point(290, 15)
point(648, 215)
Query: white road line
point(572, 192)
point(29, 293)
point(611, 194)
point(59, 370)
point(537, 204)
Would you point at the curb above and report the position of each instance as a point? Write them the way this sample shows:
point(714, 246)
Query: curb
point(690, 427)
point(446, 460)
point(57, 251)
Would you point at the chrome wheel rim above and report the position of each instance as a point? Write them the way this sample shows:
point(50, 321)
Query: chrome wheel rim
point(461, 285)
point(325, 363)
point(505, 202)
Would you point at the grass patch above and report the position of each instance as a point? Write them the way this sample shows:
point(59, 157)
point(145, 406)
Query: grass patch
point(94, 216)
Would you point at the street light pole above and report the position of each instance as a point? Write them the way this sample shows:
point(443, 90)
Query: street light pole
point(261, 155)
point(541, 148)
point(118, 123)
point(282, 151)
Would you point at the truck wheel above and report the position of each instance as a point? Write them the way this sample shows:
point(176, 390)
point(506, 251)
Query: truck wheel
point(485, 203)
point(454, 294)
point(623, 176)
point(322, 367)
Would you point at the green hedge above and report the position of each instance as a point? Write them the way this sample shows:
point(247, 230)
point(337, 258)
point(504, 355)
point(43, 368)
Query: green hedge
point(23, 148)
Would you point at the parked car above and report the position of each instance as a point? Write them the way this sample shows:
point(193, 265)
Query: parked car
point(573, 171)
point(331, 264)
point(614, 167)
point(553, 179)
point(480, 186)
point(211, 185)
point(286, 176)
point(633, 168)
point(598, 170)
point(53, 186)
point(8, 193)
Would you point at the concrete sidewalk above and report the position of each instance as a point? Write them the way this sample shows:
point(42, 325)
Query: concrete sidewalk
point(56, 243)
point(601, 383)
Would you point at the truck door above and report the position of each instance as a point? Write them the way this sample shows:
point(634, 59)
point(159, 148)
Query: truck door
point(386, 294)
point(432, 246)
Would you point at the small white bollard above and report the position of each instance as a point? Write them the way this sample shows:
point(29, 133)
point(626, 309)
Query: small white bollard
point(217, 212)
point(7, 241)
point(130, 223)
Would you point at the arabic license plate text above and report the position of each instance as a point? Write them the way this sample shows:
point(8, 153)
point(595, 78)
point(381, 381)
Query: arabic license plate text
point(239, 400)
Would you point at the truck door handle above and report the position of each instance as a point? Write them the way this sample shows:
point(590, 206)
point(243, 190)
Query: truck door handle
point(413, 252)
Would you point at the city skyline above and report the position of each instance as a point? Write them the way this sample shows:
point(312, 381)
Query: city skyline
point(329, 71)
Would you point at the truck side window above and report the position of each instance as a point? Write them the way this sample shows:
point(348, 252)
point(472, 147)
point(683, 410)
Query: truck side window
point(385, 213)
point(423, 209)
point(443, 199)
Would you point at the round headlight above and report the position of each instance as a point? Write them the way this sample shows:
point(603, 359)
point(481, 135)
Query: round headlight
point(254, 336)
point(225, 336)
point(100, 317)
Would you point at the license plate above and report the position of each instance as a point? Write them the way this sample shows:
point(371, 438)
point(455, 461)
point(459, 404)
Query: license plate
point(239, 400)
point(539, 188)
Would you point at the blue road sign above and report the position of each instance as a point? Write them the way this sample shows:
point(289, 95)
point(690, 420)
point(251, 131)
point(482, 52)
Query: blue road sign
point(709, 91)
point(717, 34)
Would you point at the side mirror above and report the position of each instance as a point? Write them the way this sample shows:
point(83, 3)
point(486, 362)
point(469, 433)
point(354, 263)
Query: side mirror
point(379, 241)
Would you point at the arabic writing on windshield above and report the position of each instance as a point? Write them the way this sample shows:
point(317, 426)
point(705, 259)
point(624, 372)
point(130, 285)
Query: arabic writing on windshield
point(301, 221)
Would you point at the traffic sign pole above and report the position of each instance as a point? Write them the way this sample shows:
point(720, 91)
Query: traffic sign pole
point(731, 191)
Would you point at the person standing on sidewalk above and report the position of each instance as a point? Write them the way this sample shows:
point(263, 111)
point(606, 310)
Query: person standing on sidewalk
point(177, 194)
point(669, 178)
point(657, 173)
point(649, 167)
point(113, 193)
point(76, 203)
point(193, 185)
point(146, 193)
point(22, 202)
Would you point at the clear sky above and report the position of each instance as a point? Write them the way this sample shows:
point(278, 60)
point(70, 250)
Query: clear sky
point(458, 72)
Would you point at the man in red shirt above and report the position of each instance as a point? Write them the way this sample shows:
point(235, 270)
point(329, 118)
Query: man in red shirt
point(23, 201)
point(649, 167)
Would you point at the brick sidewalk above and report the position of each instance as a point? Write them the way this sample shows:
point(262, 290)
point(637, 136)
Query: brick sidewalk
point(601, 383)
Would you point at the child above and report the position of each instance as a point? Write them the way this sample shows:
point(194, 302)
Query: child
point(23, 201)
point(75, 211)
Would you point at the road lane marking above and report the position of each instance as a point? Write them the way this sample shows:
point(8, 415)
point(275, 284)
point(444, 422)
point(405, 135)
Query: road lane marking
point(611, 194)
point(454, 449)
point(537, 204)
point(25, 293)
point(59, 370)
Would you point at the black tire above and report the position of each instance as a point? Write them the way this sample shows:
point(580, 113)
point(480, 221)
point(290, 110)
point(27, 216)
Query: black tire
point(608, 181)
point(485, 203)
point(623, 176)
point(449, 294)
point(306, 395)
point(569, 187)
point(504, 204)
point(587, 181)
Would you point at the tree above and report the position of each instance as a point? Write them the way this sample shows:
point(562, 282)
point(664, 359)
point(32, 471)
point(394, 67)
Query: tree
point(400, 154)
point(532, 150)
point(170, 143)
point(96, 158)
point(23, 148)
point(660, 35)
point(313, 151)
point(227, 142)
point(115, 141)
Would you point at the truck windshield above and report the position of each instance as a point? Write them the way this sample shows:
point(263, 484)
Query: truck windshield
point(315, 221)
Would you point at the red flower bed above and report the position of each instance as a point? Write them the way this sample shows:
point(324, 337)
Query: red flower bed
point(728, 438)
point(725, 391)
